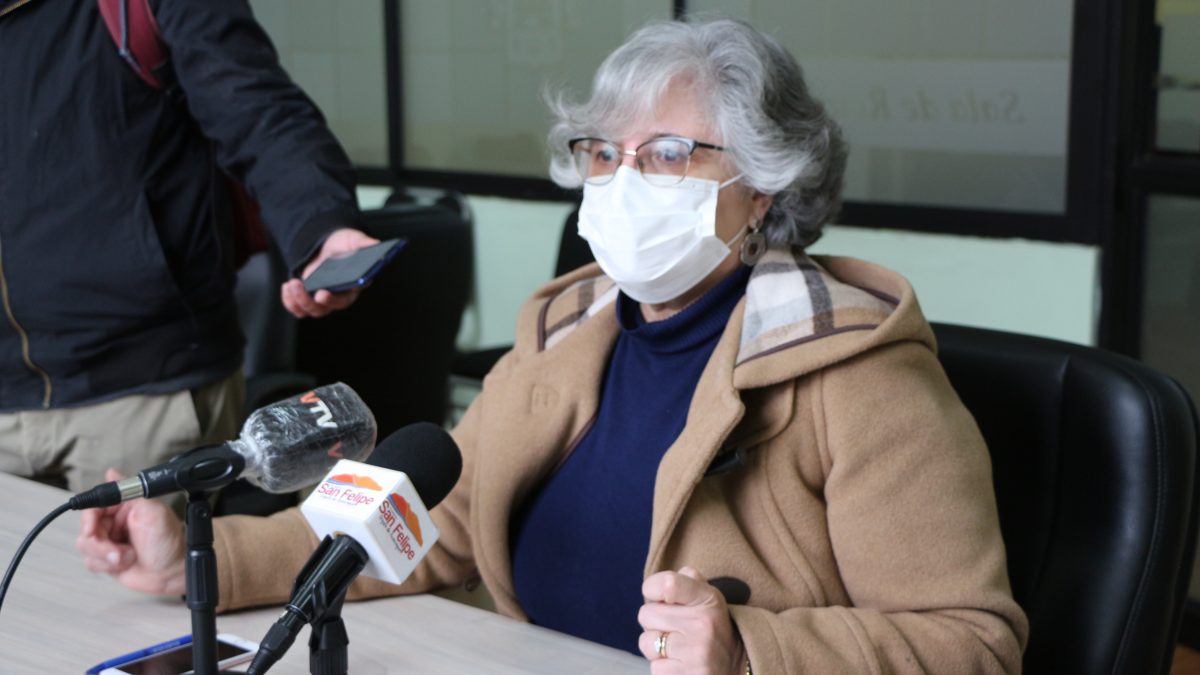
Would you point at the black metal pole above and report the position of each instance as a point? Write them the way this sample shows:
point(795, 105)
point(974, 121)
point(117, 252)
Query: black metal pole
point(202, 595)
point(394, 76)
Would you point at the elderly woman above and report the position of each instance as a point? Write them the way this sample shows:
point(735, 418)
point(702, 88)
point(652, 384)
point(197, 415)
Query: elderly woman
point(710, 448)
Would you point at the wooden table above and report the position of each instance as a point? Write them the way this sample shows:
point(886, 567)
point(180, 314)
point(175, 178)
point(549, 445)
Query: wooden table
point(60, 618)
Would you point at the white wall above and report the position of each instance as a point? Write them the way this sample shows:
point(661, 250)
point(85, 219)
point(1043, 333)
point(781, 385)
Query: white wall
point(516, 244)
point(1016, 285)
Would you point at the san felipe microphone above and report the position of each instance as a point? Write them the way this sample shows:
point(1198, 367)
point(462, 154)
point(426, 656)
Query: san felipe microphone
point(374, 518)
point(283, 447)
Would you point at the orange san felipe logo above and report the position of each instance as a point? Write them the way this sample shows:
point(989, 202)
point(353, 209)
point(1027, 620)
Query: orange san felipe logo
point(354, 480)
point(349, 489)
point(409, 515)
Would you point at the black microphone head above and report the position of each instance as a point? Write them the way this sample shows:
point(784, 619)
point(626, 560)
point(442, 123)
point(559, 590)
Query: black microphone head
point(426, 454)
point(290, 444)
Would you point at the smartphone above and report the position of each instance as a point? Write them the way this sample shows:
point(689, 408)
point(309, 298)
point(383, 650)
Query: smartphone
point(342, 273)
point(174, 657)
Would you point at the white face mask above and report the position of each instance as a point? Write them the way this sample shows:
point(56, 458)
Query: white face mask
point(655, 242)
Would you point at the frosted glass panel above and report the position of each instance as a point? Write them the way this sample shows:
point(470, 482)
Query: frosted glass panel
point(1171, 300)
point(1171, 304)
point(334, 51)
point(1179, 76)
point(958, 103)
point(474, 71)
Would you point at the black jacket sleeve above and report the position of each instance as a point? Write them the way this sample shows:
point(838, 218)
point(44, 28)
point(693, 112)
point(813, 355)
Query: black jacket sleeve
point(266, 132)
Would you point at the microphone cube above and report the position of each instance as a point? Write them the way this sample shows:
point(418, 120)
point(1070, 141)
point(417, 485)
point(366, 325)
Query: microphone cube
point(380, 508)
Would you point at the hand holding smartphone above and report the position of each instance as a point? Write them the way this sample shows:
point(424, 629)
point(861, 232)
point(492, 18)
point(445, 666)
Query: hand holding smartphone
point(342, 273)
point(174, 657)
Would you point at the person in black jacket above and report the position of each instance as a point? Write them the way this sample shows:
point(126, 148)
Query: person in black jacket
point(120, 342)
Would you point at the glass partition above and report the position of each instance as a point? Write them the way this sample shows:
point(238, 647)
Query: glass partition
point(1178, 77)
point(956, 103)
point(1171, 295)
point(474, 72)
point(335, 51)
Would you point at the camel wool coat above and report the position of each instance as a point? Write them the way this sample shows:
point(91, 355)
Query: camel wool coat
point(826, 465)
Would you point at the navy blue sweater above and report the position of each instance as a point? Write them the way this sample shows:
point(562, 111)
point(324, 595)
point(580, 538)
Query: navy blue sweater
point(579, 545)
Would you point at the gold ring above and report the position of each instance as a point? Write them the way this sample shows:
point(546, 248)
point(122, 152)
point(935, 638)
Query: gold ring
point(660, 645)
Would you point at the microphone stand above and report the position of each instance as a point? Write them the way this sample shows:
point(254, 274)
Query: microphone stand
point(200, 472)
point(317, 597)
point(327, 642)
point(202, 595)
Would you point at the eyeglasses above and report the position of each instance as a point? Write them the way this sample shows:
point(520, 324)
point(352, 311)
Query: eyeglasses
point(661, 161)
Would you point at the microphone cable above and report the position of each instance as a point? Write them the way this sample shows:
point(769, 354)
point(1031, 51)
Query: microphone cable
point(12, 566)
point(101, 495)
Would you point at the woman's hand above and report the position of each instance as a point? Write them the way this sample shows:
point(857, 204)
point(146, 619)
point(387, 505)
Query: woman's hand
point(695, 619)
point(140, 542)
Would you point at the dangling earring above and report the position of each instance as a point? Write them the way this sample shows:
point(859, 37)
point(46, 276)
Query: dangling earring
point(754, 245)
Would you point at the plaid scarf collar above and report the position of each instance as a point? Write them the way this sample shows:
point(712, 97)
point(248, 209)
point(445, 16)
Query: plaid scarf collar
point(790, 300)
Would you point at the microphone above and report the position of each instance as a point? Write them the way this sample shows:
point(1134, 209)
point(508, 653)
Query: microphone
point(282, 447)
point(374, 519)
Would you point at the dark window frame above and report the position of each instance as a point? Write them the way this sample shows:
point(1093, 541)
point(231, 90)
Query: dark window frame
point(1094, 204)
point(1078, 223)
point(1143, 171)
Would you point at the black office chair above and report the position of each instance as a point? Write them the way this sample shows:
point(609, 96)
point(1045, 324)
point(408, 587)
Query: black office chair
point(395, 344)
point(270, 358)
point(1094, 459)
point(573, 250)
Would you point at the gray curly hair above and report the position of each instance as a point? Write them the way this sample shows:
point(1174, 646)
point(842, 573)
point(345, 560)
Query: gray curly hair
point(779, 137)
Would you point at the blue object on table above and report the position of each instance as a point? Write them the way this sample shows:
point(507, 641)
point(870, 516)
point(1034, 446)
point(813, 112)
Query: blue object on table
point(140, 654)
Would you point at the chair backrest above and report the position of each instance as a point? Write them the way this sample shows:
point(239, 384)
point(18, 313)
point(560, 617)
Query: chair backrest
point(270, 357)
point(573, 251)
point(1094, 461)
point(270, 332)
point(395, 344)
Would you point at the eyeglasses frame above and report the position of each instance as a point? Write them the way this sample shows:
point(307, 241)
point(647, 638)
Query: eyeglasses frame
point(691, 144)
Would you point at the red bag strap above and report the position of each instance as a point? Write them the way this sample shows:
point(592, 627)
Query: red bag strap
point(135, 32)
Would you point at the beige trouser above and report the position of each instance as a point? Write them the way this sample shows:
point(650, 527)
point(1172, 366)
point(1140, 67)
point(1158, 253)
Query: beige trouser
point(72, 447)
